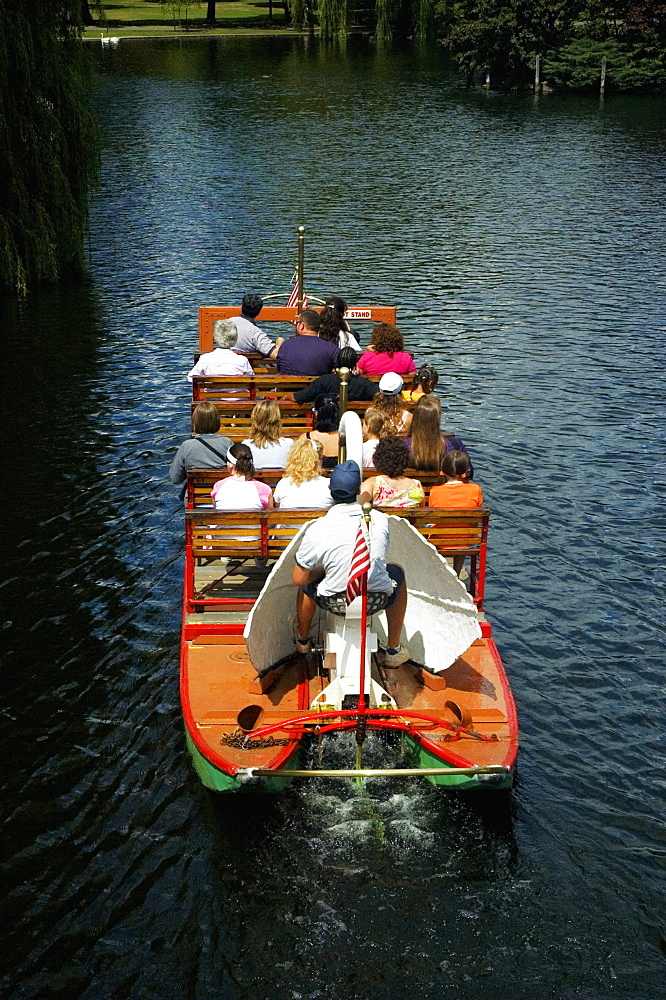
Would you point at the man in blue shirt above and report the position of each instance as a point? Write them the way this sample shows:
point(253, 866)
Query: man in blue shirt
point(306, 354)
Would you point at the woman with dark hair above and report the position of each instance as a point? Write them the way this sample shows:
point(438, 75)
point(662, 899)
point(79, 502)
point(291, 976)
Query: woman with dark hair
point(427, 444)
point(333, 325)
point(269, 449)
point(326, 421)
point(386, 353)
point(423, 383)
point(240, 490)
point(206, 449)
point(390, 487)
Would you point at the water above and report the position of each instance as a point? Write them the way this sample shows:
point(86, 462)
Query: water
point(523, 240)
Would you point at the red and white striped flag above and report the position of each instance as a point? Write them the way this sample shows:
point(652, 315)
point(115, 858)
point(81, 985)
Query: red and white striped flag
point(360, 566)
point(293, 297)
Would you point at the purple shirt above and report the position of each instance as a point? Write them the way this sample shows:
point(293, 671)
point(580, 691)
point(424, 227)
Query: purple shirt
point(303, 355)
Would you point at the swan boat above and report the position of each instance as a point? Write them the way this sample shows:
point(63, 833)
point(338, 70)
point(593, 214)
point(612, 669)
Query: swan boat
point(259, 716)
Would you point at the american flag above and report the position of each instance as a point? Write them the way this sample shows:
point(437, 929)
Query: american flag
point(293, 296)
point(360, 565)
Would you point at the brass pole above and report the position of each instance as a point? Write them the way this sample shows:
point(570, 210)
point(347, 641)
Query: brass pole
point(265, 772)
point(301, 262)
point(344, 374)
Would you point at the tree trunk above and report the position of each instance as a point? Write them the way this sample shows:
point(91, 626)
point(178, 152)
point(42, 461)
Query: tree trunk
point(210, 16)
point(86, 17)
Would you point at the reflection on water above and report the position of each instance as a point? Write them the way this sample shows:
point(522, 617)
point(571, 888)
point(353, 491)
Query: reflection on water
point(523, 242)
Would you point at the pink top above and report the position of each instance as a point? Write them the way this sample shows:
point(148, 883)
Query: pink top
point(372, 363)
point(234, 493)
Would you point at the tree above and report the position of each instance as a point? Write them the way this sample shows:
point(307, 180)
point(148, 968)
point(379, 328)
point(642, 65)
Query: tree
point(502, 37)
point(49, 149)
point(211, 13)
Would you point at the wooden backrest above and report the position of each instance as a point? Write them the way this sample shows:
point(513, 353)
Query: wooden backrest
point(283, 314)
point(244, 534)
point(236, 417)
point(201, 481)
point(261, 385)
point(265, 534)
point(258, 386)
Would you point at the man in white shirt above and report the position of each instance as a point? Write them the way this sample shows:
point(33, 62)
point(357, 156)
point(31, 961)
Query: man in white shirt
point(250, 337)
point(323, 564)
point(222, 360)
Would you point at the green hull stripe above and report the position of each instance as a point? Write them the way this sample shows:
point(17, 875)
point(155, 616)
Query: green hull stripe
point(218, 781)
point(459, 782)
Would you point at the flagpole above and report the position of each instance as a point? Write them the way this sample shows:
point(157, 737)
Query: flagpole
point(361, 706)
point(300, 265)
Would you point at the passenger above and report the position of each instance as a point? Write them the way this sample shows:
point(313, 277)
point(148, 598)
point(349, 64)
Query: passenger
point(269, 449)
point(334, 328)
point(306, 354)
point(374, 422)
point(222, 360)
point(390, 487)
point(326, 421)
point(388, 400)
point(205, 450)
point(250, 337)
point(323, 564)
point(386, 353)
point(457, 492)
point(423, 383)
point(427, 444)
point(303, 485)
point(358, 388)
point(240, 490)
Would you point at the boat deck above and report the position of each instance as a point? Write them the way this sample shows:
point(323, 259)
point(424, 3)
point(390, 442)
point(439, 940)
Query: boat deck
point(468, 703)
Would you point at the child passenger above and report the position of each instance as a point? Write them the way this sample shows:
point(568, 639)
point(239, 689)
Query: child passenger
point(457, 492)
point(240, 490)
point(373, 428)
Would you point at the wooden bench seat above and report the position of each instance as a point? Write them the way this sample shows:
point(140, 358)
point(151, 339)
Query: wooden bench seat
point(201, 481)
point(268, 385)
point(214, 535)
point(236, 417)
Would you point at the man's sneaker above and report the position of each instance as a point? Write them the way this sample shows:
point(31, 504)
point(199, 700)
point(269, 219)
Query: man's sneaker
point(394, 657)
point(303, 646)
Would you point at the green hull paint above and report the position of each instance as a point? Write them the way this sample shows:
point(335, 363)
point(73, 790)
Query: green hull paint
point(456, 782)
point(218, 781)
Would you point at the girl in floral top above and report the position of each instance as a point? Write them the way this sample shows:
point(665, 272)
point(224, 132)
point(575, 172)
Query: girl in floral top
point(390, 487)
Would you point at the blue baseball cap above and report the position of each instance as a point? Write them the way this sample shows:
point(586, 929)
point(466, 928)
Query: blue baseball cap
point(345, 482)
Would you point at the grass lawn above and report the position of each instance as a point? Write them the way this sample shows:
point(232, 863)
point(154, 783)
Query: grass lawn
point(147, 17)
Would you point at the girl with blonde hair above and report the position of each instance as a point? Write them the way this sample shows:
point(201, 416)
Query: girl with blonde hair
point(374, 422)
point(269, 449)
point(303, 485)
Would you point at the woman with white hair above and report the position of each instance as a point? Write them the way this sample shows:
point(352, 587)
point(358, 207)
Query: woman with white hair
point(222, 360)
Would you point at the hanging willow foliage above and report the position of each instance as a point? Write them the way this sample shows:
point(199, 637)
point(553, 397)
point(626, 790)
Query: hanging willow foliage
point(333, 18)
point(423, 16)
point(49, 148)
point(384, 29)
point(297, 9)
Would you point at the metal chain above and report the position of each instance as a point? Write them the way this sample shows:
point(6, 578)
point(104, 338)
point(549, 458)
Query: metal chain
point(239, 740)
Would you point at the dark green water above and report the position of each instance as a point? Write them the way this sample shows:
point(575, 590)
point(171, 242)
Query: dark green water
point(523, 241)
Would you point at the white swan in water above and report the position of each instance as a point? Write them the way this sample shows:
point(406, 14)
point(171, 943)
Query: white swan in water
point(109, 41)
